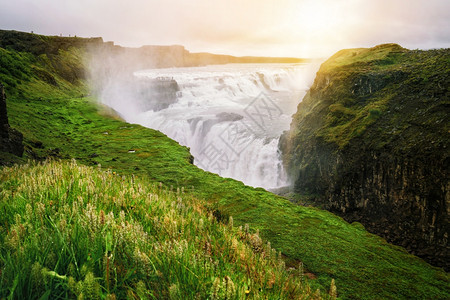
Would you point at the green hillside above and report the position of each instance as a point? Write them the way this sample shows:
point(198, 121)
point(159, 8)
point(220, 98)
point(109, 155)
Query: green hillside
point(57, 122)
point(370, 142)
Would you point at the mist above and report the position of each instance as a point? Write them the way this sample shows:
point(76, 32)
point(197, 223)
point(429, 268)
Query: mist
point(209, 103)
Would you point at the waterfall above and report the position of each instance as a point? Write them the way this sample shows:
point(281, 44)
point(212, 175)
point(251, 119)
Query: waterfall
point(231, 116)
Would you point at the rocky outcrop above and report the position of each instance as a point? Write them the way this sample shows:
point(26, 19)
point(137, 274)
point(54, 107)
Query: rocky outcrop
point(156, 94)
point(370, 142)
point(10, 139)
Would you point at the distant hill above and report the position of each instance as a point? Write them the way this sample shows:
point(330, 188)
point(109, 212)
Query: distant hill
point(142, 57)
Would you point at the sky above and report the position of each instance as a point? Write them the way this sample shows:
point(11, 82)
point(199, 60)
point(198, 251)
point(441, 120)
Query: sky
point(294, 28)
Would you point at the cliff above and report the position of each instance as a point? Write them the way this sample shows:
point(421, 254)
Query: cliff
point(370, 142)
point(10, 139)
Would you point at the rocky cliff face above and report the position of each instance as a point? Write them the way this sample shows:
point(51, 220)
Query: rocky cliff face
point(10, 139)
point(156, 94)
point(370, 142)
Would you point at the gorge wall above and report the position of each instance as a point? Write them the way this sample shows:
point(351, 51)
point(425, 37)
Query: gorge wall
point(370, 142)
point(10, 138)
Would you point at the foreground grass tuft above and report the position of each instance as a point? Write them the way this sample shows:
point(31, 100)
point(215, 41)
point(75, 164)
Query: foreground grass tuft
point(71, 231)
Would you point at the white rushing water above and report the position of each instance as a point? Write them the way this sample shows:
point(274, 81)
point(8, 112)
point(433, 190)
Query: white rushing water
point(231, 116)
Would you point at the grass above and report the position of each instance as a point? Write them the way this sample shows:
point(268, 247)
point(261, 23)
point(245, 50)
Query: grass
point(343, 123)
point(359, 86)
point(14, 67)
point(69, 230)
point(55, 123)
point(382, 55)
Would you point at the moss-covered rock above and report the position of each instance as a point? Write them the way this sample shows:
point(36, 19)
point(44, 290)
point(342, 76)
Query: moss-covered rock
point(370, 141)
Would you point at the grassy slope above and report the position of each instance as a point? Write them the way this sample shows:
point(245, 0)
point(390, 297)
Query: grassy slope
point(364, 265)
point(77, 231)
point(350, 114)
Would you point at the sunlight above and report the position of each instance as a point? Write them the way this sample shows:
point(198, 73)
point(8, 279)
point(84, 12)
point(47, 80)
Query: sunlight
point(316, 28)
point(314, 17)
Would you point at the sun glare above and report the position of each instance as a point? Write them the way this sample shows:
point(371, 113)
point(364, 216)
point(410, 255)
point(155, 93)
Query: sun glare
point(314, 17)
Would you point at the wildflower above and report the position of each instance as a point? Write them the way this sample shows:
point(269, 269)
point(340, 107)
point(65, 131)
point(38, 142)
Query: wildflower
point(230, 289)
point(271, 280)
point(91, 288)
point(28, 212)
point(72, 284)
point(40, 210)
point(207, 249)
point(71, 270)
point(268, 250)
point(141, 290)
point(143, 261)
point(102, 217)
point(215, 289)
point(333, 290)
point(122, 215)
point(51, 260)
point(234, 244)
point(230, 222)
point(301, 271)
point(36, 277)
point(247, 292)
point(44, 275)
point(62, 225)
point(111, 297)
point(256, 241)
point(174, 292)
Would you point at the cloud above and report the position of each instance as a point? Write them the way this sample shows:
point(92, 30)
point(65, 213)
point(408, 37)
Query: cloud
point(251, 27)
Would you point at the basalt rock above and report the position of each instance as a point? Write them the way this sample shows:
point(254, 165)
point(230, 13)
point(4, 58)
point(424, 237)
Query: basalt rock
point(10, 139)
point(157, 94)
point(370, 142)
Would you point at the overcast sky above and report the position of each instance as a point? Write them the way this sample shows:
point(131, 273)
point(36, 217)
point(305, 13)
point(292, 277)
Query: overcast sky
point(299, 28)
